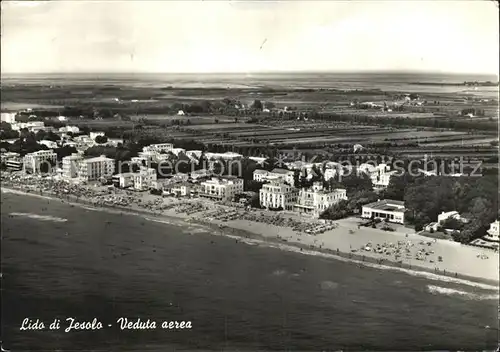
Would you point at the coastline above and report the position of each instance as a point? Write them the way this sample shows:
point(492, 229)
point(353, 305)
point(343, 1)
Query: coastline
point(252, 234)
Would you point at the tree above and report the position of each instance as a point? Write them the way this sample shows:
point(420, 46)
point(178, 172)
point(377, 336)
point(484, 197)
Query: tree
point(101, 139)
point(257, 104)
point(40, 135)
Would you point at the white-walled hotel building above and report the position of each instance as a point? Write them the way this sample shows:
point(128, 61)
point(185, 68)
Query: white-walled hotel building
point(32, 161)
point(223, 188)
point(316, 199)
point(278, 194)
point(94, 168)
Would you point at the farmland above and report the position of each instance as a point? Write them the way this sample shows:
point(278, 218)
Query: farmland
point(304, 117)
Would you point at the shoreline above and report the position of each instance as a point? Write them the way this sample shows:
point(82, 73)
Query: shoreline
point(270, 241)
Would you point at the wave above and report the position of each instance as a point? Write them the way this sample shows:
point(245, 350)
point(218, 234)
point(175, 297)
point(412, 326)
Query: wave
point(291, 248)
point(427, 275)
point(39, 217)
point(454, 292)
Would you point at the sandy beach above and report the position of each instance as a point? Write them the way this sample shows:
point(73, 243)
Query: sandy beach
point(344, 240)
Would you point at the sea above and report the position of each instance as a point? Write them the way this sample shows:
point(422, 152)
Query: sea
point(386, 81)
point(61, 261)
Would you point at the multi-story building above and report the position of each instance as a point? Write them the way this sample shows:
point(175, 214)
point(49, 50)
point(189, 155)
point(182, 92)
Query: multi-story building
point(316, 199)
point(386, 209)
point(12, 161)
point(71, 165)
point(222, 188)
point(9, 117)
point(282, 174)
point(380, 174)
point(95, 168)
point(123, 180)
point(144, 178)
point(32, 162)
point(181, 189)
point(277, 194)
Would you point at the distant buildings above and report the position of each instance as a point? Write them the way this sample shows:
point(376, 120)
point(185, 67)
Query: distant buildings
point(72, 129)
point(223, 188)
point(32, 162)
point(32, 126)
point(200, 174)
point(316, 199)
point(277, 194)
point(281, 174)
point(48, 144)
point(9, 117)
point(380, 175)
point(387, 209)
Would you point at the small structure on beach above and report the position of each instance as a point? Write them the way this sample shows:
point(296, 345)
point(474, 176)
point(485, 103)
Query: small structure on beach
point(386, 209)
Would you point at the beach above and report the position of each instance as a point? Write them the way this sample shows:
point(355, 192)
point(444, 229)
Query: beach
point(343, 238)
point(241, 292)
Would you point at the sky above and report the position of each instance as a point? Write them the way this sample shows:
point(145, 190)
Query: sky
point(249, 36)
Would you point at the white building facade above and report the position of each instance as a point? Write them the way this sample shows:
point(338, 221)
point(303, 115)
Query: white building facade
point(316, 199)
point(33, 161)
point(71, 165)
point(277, 194)
point(387, 209)
point(224, 188)
point(95, 168)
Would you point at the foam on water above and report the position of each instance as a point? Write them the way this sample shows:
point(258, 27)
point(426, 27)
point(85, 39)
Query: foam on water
point(454, 292)
point(39, 217)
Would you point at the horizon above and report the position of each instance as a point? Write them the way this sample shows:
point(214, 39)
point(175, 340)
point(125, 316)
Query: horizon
point(249, 37)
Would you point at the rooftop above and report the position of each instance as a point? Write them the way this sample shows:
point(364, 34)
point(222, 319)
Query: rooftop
point(387, 205)
point(281, 171)
point(260, 171)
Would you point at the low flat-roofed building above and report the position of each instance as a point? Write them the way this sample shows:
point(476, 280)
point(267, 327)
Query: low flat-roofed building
point(386, 209)
point(447, 215)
